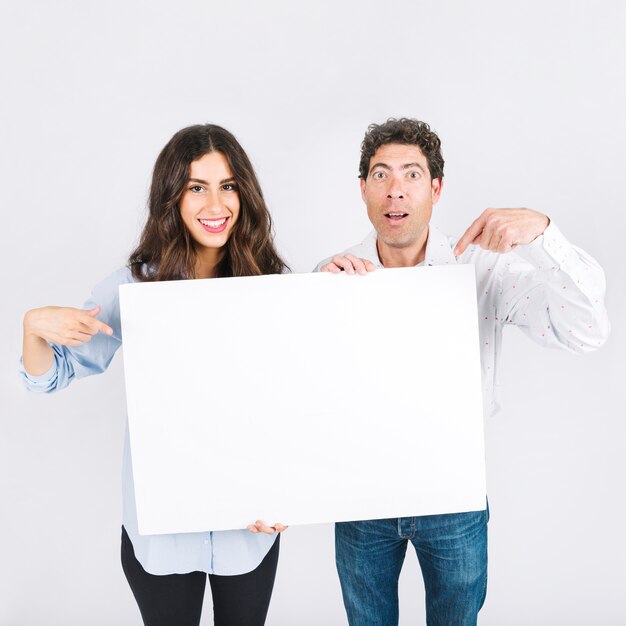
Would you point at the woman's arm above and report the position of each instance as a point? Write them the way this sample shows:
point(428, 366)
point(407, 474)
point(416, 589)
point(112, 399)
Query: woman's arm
point(63, 326)
point(63, 343)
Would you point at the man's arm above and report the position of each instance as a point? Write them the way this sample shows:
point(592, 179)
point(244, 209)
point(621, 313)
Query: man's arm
point(552, 290)
point(549, 288)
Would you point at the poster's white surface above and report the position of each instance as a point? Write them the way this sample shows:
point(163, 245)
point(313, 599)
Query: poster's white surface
point(303, 398)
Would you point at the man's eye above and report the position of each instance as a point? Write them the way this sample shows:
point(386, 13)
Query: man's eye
point(379, 175)
point(414, 174)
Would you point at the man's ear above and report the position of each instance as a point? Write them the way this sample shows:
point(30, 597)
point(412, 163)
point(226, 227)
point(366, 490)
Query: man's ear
point(435, 189)
point(362, 183)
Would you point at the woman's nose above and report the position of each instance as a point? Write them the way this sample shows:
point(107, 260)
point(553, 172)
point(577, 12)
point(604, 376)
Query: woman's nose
point(212, 202)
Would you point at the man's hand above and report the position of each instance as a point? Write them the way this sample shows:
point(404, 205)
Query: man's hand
point(502, 230)
point(348, 264)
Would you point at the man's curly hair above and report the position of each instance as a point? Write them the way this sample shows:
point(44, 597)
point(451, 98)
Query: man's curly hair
point(405, 131)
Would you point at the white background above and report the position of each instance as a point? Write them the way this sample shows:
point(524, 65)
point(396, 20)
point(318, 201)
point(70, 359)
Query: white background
point(529, 101)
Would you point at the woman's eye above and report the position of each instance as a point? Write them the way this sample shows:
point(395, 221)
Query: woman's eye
point(229, 187)
point(196, 188)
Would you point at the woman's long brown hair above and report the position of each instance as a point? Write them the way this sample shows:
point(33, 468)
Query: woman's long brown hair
point(166, 250)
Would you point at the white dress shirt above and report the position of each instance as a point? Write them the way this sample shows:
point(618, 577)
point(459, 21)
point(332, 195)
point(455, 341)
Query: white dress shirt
point(550, 289)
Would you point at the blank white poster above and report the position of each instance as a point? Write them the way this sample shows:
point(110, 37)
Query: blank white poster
point(303, 398)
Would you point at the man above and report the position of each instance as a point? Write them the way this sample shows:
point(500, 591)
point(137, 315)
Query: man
point(527, 274)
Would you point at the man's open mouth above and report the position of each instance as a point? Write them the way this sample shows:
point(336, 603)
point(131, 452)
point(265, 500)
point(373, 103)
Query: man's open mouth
point(396, 216)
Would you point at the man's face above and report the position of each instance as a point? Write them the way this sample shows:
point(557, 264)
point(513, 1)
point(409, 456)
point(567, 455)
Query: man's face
point(399, 194)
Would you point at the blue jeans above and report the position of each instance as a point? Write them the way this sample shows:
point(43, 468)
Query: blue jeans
point(452, 552)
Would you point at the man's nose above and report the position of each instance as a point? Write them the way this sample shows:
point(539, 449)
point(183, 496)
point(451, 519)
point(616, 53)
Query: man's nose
point(395, 190)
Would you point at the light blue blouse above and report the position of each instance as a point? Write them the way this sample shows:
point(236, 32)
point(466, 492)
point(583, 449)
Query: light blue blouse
point(225, 553)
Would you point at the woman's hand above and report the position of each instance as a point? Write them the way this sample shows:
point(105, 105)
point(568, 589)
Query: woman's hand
point(65, 326)
point(61, 325)
point(260, 527)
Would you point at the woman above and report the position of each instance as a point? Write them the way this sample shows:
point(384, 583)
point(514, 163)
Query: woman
point(207, 218)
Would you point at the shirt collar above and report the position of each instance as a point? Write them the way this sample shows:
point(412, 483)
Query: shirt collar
point(438, 249)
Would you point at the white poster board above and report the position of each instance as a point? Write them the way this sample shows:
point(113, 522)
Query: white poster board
point(303, 398)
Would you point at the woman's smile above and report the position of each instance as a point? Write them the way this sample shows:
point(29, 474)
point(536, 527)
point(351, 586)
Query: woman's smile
point(214, 225)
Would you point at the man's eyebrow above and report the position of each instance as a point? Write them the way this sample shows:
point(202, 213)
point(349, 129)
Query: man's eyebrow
point(383, 165)
point(406, 166)
point(204, 182)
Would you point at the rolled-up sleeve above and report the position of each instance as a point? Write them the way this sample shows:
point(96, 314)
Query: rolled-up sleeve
point(43, 383)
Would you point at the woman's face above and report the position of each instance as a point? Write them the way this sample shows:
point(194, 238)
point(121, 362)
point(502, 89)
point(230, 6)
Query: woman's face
point(210, 205)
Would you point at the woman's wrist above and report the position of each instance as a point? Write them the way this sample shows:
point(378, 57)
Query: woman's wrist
point(37, 355)
point(29, 323)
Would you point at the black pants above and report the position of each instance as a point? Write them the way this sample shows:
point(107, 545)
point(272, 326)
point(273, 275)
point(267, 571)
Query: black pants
point(176, 599)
